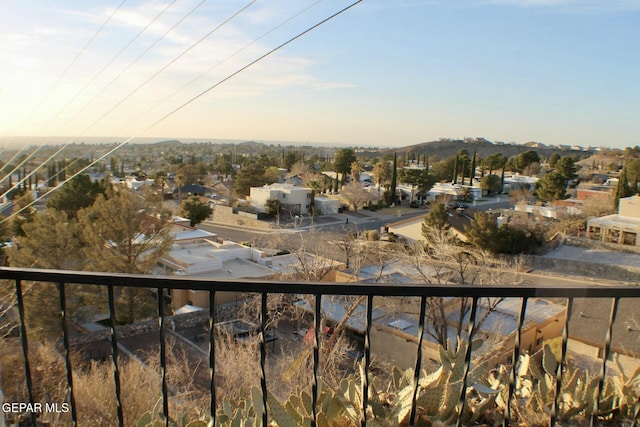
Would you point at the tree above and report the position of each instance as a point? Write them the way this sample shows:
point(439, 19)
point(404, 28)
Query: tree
point(23, 212)
point(482, 231)
point(78, 193)
point(252, 175)
point(623, 190)
point(492, 184)
point(356, 194)
point(444, 169)
point(551, 187)
point(417, 178)
point(224, 165)
point(126, 233)
point(382, 173)
point(435, 227)
point(566, 166)
point(394, 180)
point(632, 169)
point(51, 240)
point(343, 160)
point(195, 210)
point(553, 159)
point(494, 162)
point(356, 169)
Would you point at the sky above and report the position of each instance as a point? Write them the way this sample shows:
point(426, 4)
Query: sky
point(383, 73)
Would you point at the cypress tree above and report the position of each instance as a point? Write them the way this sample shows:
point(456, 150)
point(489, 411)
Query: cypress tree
point(455, 171)
point(472, 172)
point(394, 178)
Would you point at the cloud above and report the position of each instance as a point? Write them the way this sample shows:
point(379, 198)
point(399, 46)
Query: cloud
point(575, 6)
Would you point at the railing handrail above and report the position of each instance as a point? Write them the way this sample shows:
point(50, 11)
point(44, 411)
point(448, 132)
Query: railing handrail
point(586, 290)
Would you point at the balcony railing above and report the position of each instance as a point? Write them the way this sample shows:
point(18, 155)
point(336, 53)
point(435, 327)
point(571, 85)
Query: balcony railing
point(66, 280)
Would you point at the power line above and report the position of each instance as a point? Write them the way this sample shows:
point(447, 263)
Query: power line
point(289, 19)
point(20, 165)
point(95, 76)
point(85, 47)
point(209, 89)
point(147, 50)
point(168, 65)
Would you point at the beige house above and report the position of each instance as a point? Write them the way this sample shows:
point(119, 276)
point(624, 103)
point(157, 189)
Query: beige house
point(588, 326)
point(396, 339)
point(622, 228)
point(394, 334)
point(214, 260)
point(293, 200)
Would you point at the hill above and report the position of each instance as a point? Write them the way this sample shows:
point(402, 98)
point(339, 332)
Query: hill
point(444, 148)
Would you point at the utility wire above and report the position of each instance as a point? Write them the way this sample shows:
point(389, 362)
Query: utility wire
point(209, 89)
point(168, 65)
point(175, 59)
point(53, 87)
point(105, 87)
point(145, 52)
point(275, 49)
point(34, 171)
point(84, 48)
point(11, 160)
point(95, 76)
point(19, 166)
point(286, 21)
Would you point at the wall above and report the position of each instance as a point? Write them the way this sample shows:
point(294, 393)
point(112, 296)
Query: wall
point(586, 269)
point(400, 349)
point(225, 215)
point(629, 207)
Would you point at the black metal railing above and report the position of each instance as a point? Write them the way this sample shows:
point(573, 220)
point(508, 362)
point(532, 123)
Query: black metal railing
point(66, 279)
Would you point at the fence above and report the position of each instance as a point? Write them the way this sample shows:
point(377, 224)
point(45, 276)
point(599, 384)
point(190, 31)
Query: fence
point(65, 280)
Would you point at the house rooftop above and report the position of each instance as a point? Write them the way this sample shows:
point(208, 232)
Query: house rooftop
point(589, 322)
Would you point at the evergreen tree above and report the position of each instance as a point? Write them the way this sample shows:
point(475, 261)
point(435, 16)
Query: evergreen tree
point(552, 186)
point(394, 178)
point(126, 233)
point(622, 190)
point(76, 194)
point(455, 171)
point(567, 167)
point(195, 210)
point(472, 172)
point(342, 162)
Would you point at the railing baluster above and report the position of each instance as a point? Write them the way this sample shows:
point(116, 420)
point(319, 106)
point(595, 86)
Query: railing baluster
point(416, 372)
point(563, 355)
point(263, 357)
point(114, 354)
point(467, 360)
point(316, 358)
point(514, 362)
point(163, 356)
point(25, 345)
point(367, 359)
point(67, 358)
point(605, 356)
point(212, 354)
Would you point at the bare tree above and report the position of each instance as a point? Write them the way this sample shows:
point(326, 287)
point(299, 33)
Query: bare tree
point(446, 261)
point(356, 194)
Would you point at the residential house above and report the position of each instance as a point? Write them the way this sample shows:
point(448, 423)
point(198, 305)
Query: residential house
point(588, 327)
point(622, 228)
point(293, 200)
